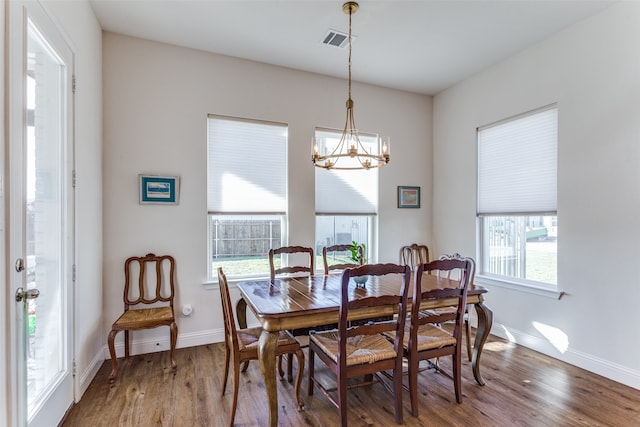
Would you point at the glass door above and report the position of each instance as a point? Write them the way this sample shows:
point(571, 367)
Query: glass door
point(41, 207)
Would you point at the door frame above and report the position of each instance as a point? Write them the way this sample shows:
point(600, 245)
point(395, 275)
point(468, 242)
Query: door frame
point(5, 375)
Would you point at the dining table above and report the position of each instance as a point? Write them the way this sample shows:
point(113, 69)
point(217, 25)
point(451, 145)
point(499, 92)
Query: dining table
point(310, 301)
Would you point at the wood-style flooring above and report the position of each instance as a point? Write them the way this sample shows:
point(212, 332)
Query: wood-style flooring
point(523, 388)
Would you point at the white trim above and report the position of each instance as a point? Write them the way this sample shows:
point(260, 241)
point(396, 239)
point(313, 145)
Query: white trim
point(88, 375)
point(597, 365)
point(211, 285)
point(518, 286)
point(154, 345)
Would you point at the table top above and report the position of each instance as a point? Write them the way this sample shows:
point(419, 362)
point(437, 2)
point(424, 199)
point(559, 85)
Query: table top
point(296, 302)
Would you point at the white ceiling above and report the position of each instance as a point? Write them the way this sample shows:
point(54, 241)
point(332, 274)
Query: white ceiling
point(418, 46)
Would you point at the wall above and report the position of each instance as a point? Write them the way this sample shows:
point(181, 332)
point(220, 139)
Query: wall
point(591, 70)
point(156, 101)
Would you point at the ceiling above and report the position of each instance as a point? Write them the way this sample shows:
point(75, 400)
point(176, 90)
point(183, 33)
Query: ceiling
point(417, 46)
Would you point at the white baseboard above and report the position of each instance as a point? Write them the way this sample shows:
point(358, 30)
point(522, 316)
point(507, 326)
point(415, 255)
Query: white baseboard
point(603, 367)
point(606, 368)
point(153, 345)
point(82, 382)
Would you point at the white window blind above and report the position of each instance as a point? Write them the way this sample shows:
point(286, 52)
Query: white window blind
point(346, 191)
point(247, 166)
point(517, 165)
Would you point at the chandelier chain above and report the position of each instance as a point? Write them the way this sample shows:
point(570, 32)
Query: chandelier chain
point(350, 13)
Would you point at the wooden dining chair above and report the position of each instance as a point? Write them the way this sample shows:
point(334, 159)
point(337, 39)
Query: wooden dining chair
point(241, 345)
point(289, 269)
point(424, 338)
point(149, 280)
point(362, 349)
point(447, 274)
point(330, 251)
point(414, 255)
point(307, 267)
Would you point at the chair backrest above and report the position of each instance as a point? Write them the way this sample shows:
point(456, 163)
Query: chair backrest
point(456, 255)
point(230, 330)
point(414, 255)
point(395, 323)
point(307, 268)
point(458, 293)
point(341, 265)
point(149, 280)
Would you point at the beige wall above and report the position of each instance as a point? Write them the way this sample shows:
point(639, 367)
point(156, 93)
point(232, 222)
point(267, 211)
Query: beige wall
point(156, 101)
point(592, 71)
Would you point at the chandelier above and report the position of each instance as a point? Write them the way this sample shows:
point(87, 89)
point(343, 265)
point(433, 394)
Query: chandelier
point(350, 153)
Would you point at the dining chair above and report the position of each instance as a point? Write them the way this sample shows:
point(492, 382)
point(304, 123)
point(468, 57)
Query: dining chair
point(307, 267)
point(288, 269)
point(362, 349)
point(330, 251)
point(241, 345)
point(414, 255)
point(467, 328)
point(143, 288)
point(424, 336)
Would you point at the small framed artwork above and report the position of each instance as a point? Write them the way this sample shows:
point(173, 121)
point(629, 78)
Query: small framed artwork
point(164, 190)
point(408, 197)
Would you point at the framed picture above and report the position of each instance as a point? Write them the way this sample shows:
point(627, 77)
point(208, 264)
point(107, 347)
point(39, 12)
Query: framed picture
point(163, 190)
point(408, 197)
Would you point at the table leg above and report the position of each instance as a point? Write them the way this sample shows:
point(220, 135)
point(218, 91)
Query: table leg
point(485, 320)
point(267, 354)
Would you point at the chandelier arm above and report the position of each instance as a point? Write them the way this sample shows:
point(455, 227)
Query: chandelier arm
point(354, 131)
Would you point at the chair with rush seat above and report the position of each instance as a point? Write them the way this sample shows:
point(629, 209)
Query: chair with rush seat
point(424, 338)
point(414, 255)
point(241, 345)
point(306, 268)
point(447, 274)
point(149, 281)
point(362, 349)
point(290, 269)
point(327, 250)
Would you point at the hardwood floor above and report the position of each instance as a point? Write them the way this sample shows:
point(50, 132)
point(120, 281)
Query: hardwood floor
point(524, 388)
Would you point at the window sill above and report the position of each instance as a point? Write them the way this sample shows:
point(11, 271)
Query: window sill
point(233, 283)
point(518, 286)
point(210, 285)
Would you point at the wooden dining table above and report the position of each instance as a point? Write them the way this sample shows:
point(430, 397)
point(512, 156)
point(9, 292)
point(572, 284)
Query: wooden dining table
point(310, 301)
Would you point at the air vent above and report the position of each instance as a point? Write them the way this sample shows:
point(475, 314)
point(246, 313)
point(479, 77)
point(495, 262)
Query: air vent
point(337, 39)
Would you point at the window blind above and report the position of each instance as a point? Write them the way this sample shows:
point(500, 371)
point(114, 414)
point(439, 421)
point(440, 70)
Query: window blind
point(346, 191)
point(247, 166)
point(517, 165)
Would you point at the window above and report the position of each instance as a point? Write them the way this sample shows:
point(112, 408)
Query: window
point(246, 194)
point(346, 202)
point(517, 193)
